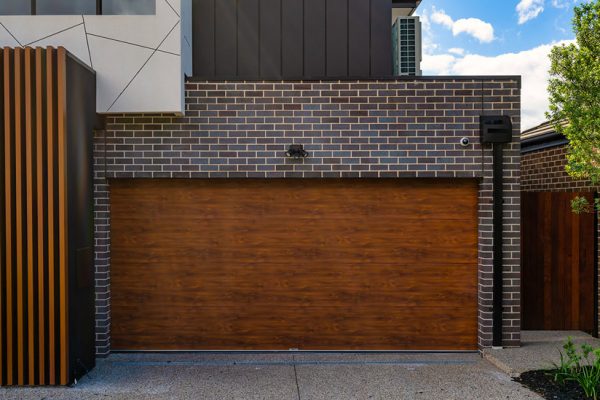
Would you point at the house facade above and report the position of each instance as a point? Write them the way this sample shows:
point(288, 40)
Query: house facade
point(263, 181)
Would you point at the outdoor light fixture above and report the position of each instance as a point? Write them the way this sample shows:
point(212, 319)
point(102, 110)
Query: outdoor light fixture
point(296, 151)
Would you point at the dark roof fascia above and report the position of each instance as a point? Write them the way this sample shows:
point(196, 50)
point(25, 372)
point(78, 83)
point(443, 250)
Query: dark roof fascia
point(477, 78)
point(412, 4)
point(542, 142)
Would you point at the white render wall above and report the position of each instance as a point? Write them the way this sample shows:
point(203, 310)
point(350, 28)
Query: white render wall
point(140, 60)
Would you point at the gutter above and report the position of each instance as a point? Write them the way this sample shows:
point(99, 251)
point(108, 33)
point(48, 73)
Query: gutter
point(542, 142)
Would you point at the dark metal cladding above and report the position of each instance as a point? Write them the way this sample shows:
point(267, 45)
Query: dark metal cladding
point(292, 39)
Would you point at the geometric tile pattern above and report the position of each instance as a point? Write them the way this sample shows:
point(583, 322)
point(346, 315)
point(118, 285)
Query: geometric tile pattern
point(121, 49)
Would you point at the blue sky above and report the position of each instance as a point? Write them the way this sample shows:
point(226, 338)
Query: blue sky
point(507, 37)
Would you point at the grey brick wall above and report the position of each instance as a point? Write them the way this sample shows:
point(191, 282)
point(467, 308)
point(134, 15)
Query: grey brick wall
point(359, 129)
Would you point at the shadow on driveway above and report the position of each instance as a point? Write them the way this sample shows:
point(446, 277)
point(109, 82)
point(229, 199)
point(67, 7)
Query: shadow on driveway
point(281, 376)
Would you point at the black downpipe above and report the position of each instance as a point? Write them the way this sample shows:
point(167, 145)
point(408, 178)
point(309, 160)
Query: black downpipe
point(497, 130)
point(595, 331)
point(498, 194)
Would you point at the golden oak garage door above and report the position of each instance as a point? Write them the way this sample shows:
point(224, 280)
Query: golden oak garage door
point(294, 264)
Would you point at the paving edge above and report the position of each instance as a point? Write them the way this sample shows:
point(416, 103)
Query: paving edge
point(500, 365)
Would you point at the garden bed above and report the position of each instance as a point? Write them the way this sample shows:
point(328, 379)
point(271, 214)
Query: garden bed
point(542, 382)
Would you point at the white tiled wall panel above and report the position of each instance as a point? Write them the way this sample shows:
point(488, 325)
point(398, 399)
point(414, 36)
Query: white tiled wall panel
point(140, 60)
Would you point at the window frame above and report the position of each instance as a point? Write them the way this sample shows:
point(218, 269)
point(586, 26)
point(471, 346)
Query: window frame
point(98, 9)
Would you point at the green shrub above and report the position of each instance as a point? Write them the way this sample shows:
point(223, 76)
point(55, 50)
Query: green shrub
point(581, 366)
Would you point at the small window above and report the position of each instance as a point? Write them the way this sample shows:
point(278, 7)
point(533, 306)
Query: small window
point(65, 7)
point(128, 7)
point(15, 7)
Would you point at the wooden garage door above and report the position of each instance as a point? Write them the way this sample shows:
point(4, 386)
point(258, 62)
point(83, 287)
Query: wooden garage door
point(286, 264)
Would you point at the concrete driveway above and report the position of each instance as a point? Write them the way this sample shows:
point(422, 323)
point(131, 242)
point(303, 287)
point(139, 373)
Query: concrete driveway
point(290, 376)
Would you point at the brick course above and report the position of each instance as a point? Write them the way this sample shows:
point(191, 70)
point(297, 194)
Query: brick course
point(359, 129)
point(544, 171)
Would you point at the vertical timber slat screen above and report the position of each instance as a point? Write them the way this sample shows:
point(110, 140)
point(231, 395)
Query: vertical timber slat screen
point(34, 217)
point(558, 262)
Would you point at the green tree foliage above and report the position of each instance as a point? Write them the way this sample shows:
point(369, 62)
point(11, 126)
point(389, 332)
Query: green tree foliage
point(574, 90)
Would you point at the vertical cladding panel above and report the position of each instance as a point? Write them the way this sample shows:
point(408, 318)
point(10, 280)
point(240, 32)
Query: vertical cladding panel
point(270, 39)
point(18, 188)
point(8, 83)
point(204, 37)
point(33, 284)
point(315, 38)
point(51, 156)
point(62, 213)
point(337, 38)
point(226, 38)
point(292, 40)
point(5, 237)
point(2, 230)
point(381, 38)
point(29, 123)
point(359, 44)
point(248, 39)
point(81, 86)
point(41, 260)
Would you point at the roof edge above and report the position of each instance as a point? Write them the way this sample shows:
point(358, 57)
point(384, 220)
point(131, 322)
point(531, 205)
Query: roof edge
point(541, 142)
point(478, 78)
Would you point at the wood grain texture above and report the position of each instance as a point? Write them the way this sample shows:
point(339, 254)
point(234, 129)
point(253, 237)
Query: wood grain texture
point(41, 243)
point(29, 126)
point(8, 146)
point(558, 265)
point(18, 76)
point(308, 264)
point(50, 124)
point(33, 280)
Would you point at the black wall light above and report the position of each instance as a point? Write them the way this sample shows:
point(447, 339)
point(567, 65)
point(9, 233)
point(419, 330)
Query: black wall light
point(296, 151)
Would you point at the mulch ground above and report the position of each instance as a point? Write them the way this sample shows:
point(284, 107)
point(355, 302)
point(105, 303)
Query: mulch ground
point(542, 382)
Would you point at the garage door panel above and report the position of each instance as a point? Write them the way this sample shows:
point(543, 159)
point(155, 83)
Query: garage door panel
point(305, 198)
point(276, 249)
point(262, 322)
point(355, 280)
point(310, 264)
point(375, 337)
point(314, 277)
point(257, 255)
point(353, 297)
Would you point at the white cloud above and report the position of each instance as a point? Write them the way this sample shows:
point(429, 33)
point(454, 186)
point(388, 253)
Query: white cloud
point(532, 65)
point(439, 64)
point(440, 17)
point(529, 9)
point(475, 27)
point(457, 50)
point(480, 30)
